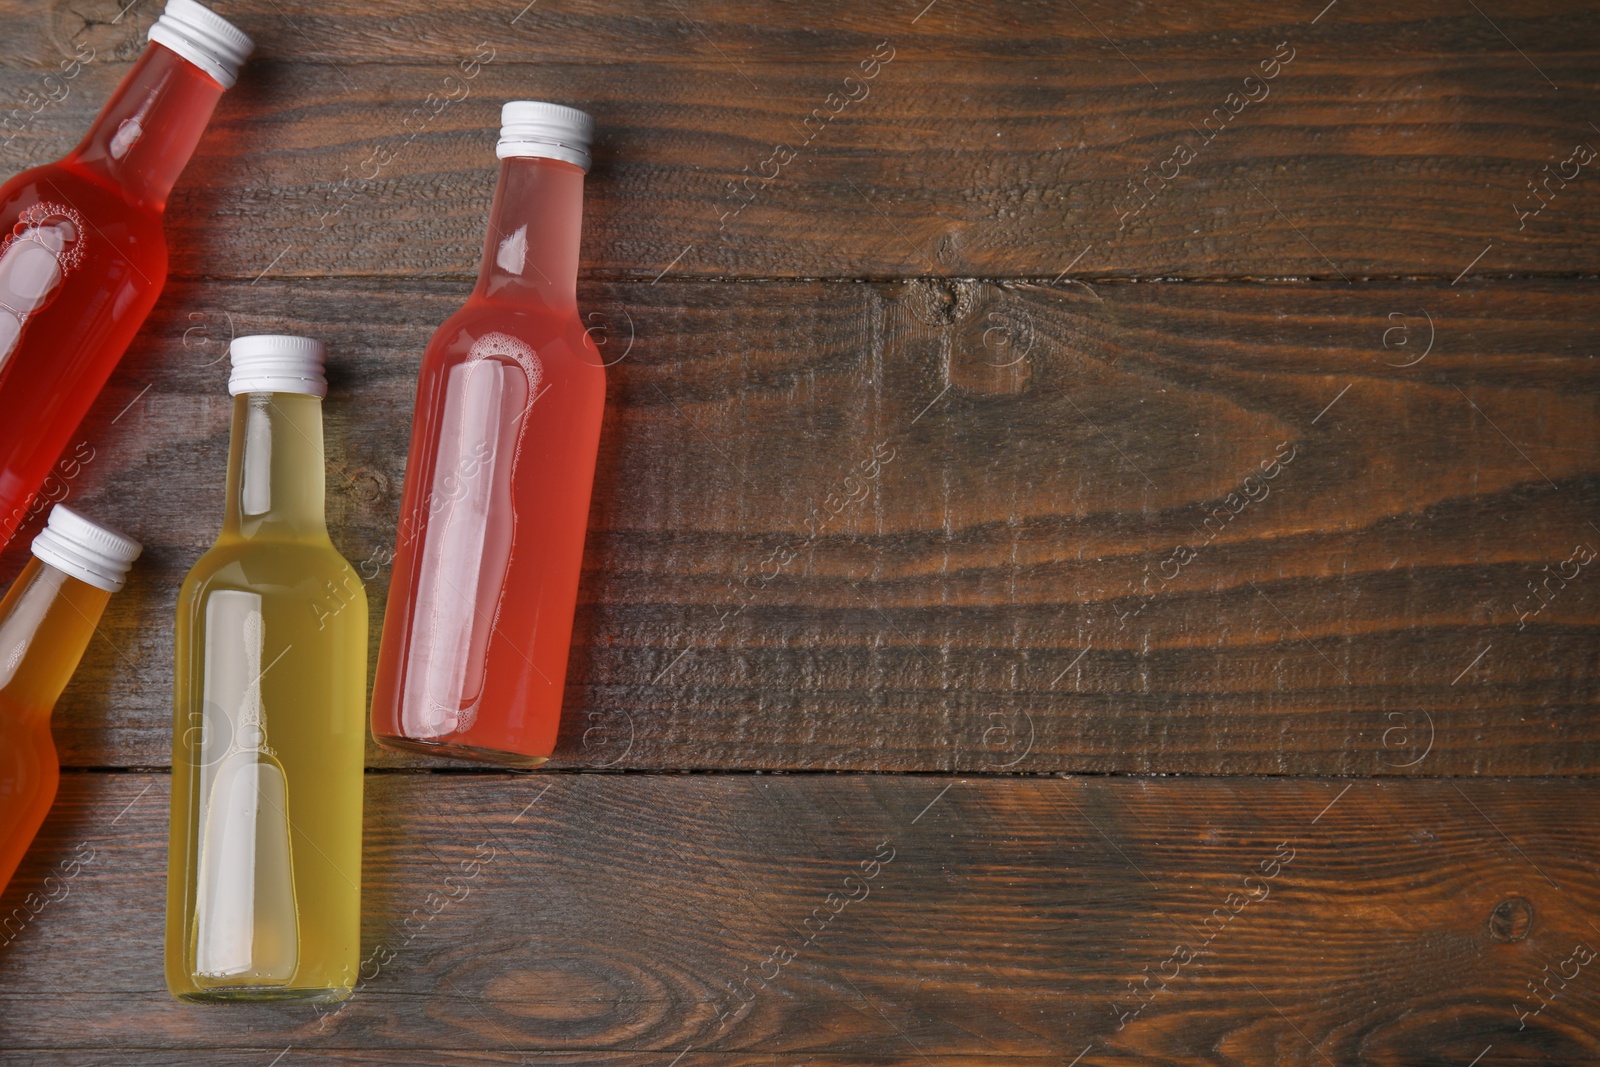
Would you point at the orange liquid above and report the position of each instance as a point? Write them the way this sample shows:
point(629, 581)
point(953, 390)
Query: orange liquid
point(507, 425)
point(82, 261)
point(46, 621)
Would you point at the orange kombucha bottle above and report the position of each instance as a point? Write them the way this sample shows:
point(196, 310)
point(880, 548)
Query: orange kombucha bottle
point(46, 621)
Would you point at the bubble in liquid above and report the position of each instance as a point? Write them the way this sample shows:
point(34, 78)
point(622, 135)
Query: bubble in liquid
point(36, 257)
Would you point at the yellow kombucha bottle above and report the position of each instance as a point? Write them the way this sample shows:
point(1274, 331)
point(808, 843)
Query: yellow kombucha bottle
point(264, 868)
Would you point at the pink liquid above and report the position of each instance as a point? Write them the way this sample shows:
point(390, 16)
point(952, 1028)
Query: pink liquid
point(82, 261)
point(490, 546)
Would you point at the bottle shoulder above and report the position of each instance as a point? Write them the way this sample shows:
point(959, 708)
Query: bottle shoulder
point(35, 196)
point(276, 566)
point(555, 336)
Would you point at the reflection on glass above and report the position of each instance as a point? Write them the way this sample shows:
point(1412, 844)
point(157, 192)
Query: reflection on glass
point(36, 256)
point(467, 548)
point(245, 919)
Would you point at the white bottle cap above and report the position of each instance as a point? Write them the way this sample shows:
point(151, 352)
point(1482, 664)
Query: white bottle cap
point(277, 363)
point(204, 38)
point(552, 131)
point(86, 550)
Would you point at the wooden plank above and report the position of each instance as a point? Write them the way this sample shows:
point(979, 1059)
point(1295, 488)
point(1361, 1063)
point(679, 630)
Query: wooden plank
point(1393, 143)
point(822, 32)
point(80, 1057)
point(995, 590)
point(1325, 921)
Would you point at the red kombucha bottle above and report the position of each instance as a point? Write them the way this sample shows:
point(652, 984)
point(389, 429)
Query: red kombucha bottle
point(82, 255)
point(509, 403)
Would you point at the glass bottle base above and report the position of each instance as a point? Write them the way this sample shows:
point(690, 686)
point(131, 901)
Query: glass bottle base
point(263, 993)
point(516, 760)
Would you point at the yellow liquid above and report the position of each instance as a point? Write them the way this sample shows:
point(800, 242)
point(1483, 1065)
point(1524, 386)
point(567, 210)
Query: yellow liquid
point(264, 868)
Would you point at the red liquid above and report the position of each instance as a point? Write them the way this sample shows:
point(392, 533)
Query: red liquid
point(507, 424)
point(82, 262)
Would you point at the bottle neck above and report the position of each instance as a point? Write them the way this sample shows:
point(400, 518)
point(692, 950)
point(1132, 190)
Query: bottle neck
point(46, 621)
point(149, 128)
point(530, 254)
point(275, 468)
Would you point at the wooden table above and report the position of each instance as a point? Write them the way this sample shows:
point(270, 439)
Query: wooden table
point(1066, 580)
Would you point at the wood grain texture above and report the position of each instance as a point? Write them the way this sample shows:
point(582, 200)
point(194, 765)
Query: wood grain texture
point(581, 915)
point(1397, 141)
point(995, 591)
point(901, 473)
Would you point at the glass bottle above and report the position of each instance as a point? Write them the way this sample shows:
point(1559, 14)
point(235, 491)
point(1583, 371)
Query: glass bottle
point(46, 621)
point(496, 501)
point(264, 866)
point(82, 253)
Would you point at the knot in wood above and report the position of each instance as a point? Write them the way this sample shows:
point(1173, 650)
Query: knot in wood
point(941, 301)
point(1511, 919)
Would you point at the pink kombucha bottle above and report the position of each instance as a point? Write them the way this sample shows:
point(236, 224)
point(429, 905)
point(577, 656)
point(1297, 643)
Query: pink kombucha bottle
point(82, 255)
point(490, 544)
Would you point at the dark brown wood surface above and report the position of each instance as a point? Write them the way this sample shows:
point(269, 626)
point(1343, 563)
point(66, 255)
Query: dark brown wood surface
point(946, 454)
point(587, 916)
point(997, 597)
point(1397, 141)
